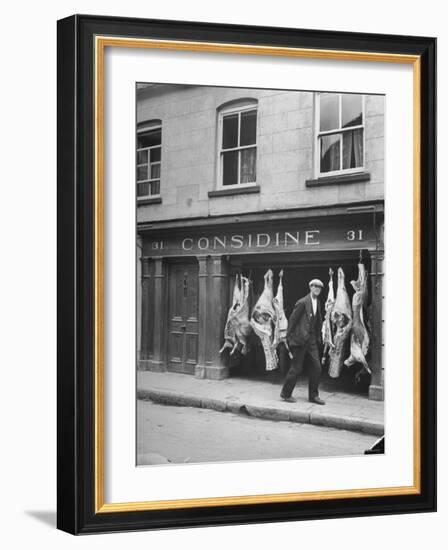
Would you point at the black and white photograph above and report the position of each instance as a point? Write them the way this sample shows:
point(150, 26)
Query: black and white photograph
point(260, 247)
point(220, 281)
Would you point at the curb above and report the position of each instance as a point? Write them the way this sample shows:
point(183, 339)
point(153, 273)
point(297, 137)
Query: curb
point(329, 420)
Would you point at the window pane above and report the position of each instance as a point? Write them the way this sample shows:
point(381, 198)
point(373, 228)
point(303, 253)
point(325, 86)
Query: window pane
point(142, 189)
point(351, 110)
point(155, 187)
point(329, 112)
point(352, 147)
point(248, 165)
point(142, 173)
point(155, 171)
point(142, 157)
point(248, 134)
point(148, 139)
point(230, 168)
point(230, 131)
point(155, 154)
point(330, 153)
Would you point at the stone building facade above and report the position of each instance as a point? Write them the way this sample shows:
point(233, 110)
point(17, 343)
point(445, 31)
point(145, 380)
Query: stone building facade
point(241, 180)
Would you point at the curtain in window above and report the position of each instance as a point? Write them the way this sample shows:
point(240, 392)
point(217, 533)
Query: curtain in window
point(353, 153)
point(155, 171)
point(330, 153)
point(142, 189)
point(155, 187)
point(248, 166)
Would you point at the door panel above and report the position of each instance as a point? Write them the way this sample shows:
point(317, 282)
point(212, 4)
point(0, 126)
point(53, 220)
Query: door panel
point(183, 318)
point(191, 348)
point(176, 347)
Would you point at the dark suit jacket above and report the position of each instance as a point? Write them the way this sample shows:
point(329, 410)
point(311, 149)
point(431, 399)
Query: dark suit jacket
point(299, 322)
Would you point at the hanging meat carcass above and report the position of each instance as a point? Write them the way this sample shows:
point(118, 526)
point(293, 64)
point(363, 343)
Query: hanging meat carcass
point(241, 317)
point(359, 341)
point(341, 317)
point(263, 321)
point(238, 327)
point(281, 325)
point(327, 329)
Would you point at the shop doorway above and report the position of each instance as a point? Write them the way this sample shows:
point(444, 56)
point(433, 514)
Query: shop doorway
point(183, 317)
point(297, 272)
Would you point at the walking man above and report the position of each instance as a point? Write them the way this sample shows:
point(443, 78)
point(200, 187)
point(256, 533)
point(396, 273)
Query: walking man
point(304, 338)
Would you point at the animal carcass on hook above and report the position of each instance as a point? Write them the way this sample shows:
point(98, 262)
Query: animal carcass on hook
point(263, 321)
point(281, 325)
point(341, 317)
point(327, 329)
point(238, 327)
point(359, 341)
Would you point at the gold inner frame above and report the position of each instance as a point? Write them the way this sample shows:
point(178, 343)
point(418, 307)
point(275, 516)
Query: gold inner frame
point(101, 42)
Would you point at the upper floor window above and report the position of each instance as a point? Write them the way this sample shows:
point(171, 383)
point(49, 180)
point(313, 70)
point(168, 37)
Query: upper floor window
point(340, 135)
point(149, 156)
point(238, 144)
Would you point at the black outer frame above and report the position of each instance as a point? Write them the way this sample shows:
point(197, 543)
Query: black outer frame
point(75, 380)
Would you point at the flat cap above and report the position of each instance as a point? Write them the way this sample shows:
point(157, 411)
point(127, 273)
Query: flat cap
point(316, 282)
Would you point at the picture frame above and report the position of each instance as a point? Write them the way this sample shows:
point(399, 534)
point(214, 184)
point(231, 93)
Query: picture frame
point(82, 42)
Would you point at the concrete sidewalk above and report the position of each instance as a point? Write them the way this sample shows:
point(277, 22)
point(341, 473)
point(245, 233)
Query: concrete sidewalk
point(261, 399)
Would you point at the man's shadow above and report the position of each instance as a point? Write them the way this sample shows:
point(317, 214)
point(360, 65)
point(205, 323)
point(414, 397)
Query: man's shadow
point(44, 516)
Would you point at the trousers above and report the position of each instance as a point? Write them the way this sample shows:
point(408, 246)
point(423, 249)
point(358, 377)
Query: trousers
point(309, 351)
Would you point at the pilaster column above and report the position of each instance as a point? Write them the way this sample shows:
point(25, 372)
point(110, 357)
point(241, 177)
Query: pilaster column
point(203, 276)
point(153, 315)
point(217, 308)
point(146, 334)
point(159, 315)
point(139, 281)
point(376, 388)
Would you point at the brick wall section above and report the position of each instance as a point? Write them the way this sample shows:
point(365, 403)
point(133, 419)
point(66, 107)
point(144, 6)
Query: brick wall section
point(285, 152)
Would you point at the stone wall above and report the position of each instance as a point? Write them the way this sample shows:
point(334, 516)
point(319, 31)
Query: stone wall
point(285, 152)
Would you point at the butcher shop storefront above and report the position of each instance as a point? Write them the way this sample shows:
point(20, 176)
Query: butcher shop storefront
point(200, 280)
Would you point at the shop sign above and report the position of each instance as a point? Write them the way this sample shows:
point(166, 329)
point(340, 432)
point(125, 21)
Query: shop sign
point(292, 239)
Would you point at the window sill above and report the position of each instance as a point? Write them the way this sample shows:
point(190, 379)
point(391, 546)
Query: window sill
point(340, 179)
point(149, 200)
point(234, 191)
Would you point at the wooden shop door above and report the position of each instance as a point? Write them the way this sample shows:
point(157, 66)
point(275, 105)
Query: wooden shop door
point(183, 318)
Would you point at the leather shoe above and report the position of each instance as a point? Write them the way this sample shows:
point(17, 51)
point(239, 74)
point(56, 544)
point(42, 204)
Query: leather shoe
point(317, 400)
point(289, 399)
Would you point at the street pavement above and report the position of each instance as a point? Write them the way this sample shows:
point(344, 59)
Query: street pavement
point(260, 399)
point(192, 435)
